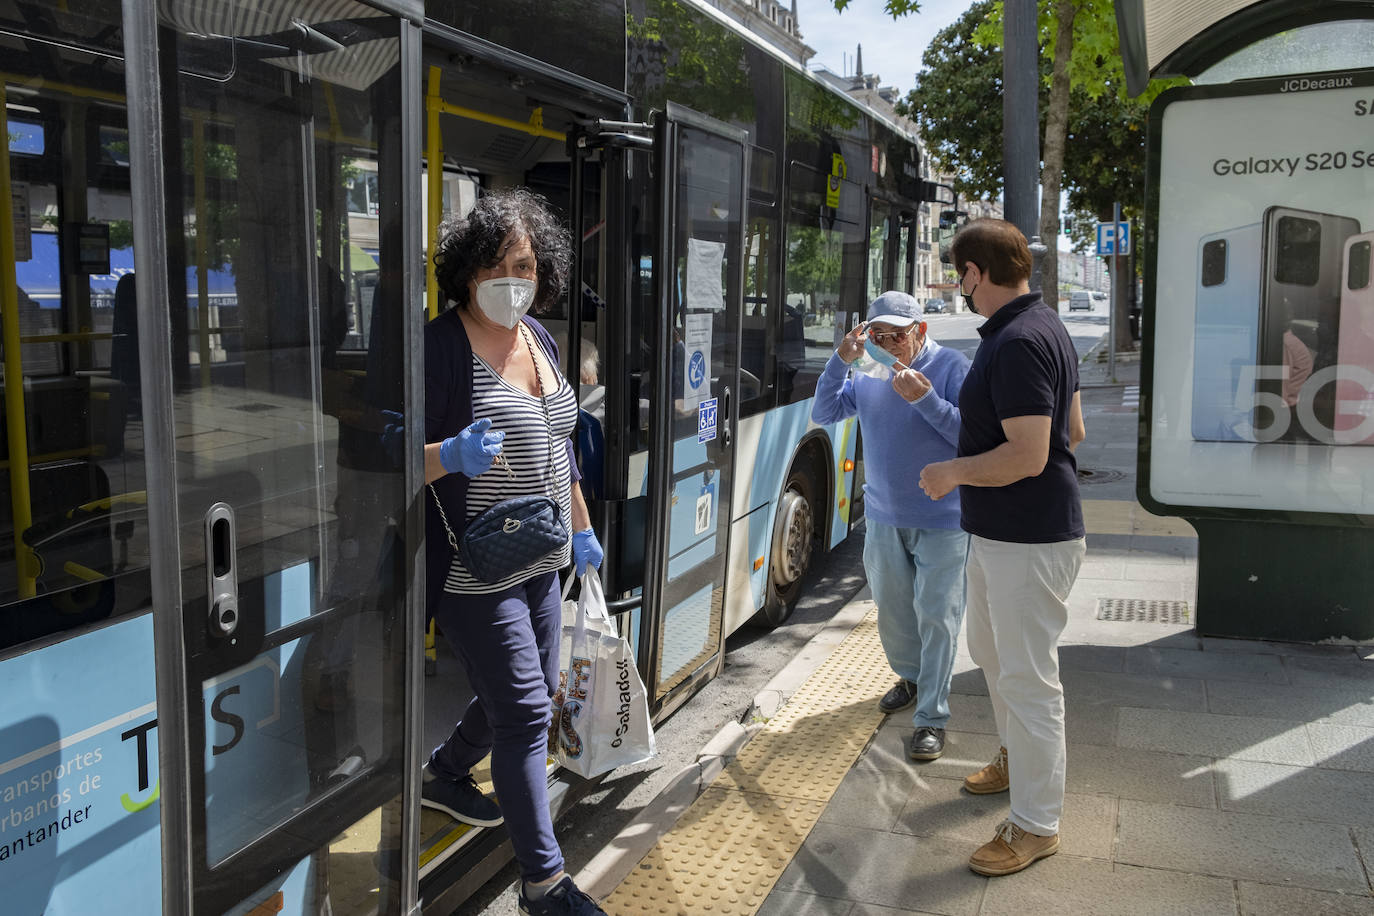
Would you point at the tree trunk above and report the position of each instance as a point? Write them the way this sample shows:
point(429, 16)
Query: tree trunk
point(1056, 128)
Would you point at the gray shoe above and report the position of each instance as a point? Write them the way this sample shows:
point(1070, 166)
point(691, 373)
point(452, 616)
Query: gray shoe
point(899, 697)
point(927, 743)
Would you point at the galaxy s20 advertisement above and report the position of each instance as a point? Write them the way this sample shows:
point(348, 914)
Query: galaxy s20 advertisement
point(1261, 390)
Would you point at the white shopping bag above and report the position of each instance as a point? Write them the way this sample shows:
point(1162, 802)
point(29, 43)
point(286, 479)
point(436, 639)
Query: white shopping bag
point(601, 711)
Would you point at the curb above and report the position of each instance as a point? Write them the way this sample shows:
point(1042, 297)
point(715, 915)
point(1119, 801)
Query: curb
point(604, 872)
point(1094, 362)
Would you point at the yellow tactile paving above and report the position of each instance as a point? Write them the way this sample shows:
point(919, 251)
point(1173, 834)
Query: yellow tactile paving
point(1119, 516)
point(730, 847)
point(723, 856)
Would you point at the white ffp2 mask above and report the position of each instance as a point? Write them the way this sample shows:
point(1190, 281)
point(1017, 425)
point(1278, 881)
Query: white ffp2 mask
point(505, 300)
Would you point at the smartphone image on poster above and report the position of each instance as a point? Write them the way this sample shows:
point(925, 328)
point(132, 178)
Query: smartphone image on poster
point(1300, 310)
point(1354, 422)
point(1225, 328)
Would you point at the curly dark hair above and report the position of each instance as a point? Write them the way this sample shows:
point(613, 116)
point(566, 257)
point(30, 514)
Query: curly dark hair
point(473, 242)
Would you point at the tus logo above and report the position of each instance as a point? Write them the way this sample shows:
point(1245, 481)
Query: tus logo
point(139, 735)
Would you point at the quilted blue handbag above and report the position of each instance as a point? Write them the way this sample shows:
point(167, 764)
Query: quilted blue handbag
point(512, 535)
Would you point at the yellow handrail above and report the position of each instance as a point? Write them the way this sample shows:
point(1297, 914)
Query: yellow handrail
point(435, 106)
point(434, 152)
point(26, 564)
point(534, 126)
point(88, 451)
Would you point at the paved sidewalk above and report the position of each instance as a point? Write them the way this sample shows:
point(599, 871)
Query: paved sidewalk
point(1205, 776)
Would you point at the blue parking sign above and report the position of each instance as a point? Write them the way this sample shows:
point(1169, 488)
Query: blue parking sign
point(1113, 238)
point(706, 420)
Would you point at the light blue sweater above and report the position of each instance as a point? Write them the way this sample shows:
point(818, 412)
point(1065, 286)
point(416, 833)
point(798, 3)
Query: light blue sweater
point(900, 437)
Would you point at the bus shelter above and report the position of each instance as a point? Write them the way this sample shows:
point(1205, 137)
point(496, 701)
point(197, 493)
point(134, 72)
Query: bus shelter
point(1257, 381)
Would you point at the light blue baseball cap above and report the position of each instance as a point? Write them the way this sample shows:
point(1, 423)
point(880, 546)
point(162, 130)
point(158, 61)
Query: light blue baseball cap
point(895, 308)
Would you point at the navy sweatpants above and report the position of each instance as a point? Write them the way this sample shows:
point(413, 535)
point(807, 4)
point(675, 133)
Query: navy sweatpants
point(508, 644)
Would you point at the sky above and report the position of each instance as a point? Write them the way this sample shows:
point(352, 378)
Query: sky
point(891, 49)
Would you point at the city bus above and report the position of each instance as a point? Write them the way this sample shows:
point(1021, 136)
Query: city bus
point(213, 286)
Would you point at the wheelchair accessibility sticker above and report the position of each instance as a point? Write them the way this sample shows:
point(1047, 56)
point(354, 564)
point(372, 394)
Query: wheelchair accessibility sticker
point(706, 420)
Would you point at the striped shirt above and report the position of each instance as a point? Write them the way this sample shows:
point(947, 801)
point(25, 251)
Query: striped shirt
point(537, 459)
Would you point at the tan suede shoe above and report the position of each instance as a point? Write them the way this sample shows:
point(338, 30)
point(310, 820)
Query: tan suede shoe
point(1011, 850)
point(993, 778)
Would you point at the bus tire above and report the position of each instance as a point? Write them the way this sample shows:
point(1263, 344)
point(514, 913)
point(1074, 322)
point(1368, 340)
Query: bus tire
point(793, 546)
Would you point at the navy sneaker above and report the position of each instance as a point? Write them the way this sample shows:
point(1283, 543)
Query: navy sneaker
point(563, 899)
point(461, 800)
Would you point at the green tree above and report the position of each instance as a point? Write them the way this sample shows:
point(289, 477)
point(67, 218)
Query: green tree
point(1093, 143)
point(669, 45)
point(814, 257)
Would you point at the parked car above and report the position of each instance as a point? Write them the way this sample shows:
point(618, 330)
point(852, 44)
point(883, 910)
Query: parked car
point(936, 306)
point(1080, 299)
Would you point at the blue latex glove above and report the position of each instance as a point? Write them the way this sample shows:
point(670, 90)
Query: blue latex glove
point(472, 450)
point(586, 549)
point(394, 437)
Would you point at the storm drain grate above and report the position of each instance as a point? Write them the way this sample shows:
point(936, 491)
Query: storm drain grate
point(1139, 610)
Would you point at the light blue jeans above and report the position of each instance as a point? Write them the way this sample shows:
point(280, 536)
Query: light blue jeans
point(917, 579)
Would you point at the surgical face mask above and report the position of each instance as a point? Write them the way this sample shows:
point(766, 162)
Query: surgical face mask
point(876, 362)
point(505, 300)
point(968, 296)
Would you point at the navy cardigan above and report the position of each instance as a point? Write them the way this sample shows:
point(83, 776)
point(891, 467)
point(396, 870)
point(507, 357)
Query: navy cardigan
point(448, 411)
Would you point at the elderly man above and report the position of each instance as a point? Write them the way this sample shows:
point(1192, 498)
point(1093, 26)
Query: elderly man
point(914, 550)
point(1018, 485)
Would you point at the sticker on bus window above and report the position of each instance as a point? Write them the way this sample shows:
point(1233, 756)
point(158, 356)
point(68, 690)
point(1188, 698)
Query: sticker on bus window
point(704, 501)
point(705, 286)
point(696, 359)
point(706, 420)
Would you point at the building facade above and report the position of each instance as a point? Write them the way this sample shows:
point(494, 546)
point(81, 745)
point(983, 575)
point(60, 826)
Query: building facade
point(771, 21)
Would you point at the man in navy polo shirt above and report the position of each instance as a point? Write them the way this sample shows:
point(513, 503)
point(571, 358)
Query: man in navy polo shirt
point(1018, 488)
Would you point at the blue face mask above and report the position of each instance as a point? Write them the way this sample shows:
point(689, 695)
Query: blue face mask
point(878, 354)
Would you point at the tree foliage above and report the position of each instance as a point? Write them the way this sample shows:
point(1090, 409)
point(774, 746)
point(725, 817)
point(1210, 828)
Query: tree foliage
point(957, 103)
point(669, 44)
point(814, 259)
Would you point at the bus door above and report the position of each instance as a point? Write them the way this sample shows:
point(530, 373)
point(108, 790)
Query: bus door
point(291, 501)
point(701, 166)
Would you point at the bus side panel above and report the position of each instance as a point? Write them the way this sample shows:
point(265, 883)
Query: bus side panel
point(79, 829)
point(844, 438)
point(79, 818)
point(767, 447)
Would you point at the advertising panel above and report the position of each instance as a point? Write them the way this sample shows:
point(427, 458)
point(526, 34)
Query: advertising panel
point(1262, 388)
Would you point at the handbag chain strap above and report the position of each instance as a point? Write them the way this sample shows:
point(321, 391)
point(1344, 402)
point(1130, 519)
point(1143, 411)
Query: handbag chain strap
point(539, 380)
point(443, 517)
point(548, 422)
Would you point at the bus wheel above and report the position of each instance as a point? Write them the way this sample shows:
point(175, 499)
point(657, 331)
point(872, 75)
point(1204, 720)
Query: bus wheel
point(793, 547)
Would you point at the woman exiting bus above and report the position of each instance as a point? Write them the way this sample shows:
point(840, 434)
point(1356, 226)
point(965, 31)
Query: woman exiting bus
point(498, 415)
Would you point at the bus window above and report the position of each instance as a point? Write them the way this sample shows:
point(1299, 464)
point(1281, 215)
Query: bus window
point(758, 351)
point(73, 521)
point(825, 259)
point(882, 238)
point(904, 227)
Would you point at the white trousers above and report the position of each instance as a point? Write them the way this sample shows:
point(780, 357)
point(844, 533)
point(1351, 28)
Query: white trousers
point(1017, 609)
